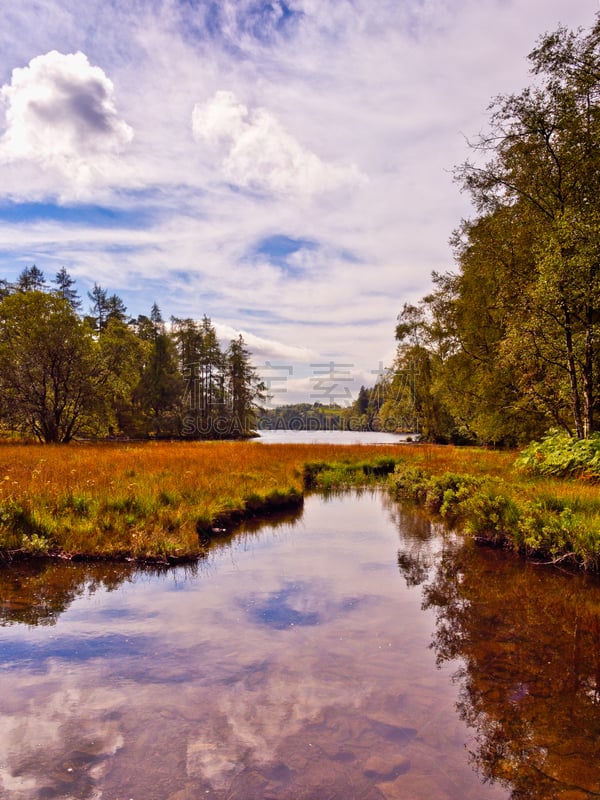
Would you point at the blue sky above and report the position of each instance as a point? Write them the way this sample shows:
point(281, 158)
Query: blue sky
point(283, 167)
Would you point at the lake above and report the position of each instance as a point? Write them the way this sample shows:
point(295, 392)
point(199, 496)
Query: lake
point(331, 437)
point(354, 652)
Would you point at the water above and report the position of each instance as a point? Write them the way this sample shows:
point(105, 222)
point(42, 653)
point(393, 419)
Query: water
point(353, 653)
point(331, 437)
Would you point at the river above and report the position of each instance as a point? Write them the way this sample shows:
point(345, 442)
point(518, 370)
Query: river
point(354, 652)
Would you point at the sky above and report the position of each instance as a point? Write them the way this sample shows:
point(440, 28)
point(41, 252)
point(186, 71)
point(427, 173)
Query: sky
point(283, 167)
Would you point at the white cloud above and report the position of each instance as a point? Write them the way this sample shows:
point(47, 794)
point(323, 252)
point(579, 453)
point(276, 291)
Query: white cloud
point(263, 348)
point(61, 114)
point(258, 153)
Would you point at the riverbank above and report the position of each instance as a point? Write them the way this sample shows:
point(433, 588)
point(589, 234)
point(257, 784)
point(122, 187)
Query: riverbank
point(164, 501)
point(546, 520)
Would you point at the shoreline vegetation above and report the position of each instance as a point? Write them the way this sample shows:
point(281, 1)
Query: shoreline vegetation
point(163, 502)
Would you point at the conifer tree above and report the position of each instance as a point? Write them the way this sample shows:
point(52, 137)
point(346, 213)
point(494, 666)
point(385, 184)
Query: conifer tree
point(65, 287)
point(31, 279)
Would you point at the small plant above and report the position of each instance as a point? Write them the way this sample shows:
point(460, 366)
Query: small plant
point(34, 544)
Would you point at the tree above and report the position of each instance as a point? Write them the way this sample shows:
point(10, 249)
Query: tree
point(413, 391)
point(31, 279)
point(48, 367)
point(243, 388)
point(121, 358)
point(65, 288)
point(482, 385)
point(203, 367)
point(104, 308)
point(156, 319)
point(5, 288)
point(98, 309)
point(160, 389)
point(361, 404)
point(543, 150)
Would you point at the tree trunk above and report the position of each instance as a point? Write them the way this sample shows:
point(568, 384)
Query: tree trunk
point(572, 369)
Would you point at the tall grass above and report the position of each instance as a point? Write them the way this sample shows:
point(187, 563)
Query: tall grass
point(144, 500)
point(165, 500)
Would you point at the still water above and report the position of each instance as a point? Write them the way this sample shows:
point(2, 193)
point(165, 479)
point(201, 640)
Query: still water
point(356, 652)
point(331, 437)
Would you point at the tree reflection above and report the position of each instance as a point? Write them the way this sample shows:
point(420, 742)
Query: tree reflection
point(38, 592)
point(528, 644)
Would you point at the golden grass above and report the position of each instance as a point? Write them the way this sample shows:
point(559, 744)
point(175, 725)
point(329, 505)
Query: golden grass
point(148, 500)
point(143, 499)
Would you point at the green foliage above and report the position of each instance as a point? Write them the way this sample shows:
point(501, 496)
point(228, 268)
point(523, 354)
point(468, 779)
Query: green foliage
point(35, 544)
point(311, 472)
point(22, 529)
point(341, 474)
point(562, 455)
point(220, 388)
point(49, 369)
point(490, 511)
point(507, 346)
point(490, 515)
point(63, 376)
point(311, 417)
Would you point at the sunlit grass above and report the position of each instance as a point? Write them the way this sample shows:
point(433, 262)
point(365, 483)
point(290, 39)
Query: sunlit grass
point(156, 500)
point(144, 499)
point(549, 519)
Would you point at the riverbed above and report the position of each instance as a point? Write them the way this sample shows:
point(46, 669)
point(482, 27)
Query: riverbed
point(355, 651)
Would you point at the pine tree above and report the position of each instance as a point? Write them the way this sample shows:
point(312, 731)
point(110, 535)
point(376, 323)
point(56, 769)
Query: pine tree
point(65, 288)
point(104, 308)
point(31, 279)
point(243, 388)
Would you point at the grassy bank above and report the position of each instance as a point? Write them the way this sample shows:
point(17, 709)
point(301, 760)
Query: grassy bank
point(547, 520)
point(144, 501)
point(164, 501)
point(488, 495)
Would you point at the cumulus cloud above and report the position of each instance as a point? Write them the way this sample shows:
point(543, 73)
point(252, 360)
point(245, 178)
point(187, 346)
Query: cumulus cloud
point(60, 113)
point(258, 153)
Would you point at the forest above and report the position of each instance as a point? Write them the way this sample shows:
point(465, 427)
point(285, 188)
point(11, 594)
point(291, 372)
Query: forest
point(64, 374)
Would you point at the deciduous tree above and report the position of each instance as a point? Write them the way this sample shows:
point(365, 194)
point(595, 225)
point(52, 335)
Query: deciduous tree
point(48, 367)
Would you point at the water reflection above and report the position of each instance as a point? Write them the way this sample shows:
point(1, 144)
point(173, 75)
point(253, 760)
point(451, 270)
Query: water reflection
point(528, 642)
point(292, 663)
point(36, 593)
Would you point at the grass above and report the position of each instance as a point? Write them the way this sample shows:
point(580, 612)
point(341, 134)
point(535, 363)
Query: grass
point(552, 520)
point(164, 501)
point(146, 501)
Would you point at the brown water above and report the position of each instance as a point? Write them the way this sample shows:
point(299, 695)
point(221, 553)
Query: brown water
point(356, 653)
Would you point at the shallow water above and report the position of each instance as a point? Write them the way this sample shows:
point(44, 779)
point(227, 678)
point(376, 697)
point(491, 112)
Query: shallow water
point(353, 653)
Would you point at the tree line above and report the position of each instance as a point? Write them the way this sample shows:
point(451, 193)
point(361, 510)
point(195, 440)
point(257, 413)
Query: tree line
point(506, 346)
point(66, 374)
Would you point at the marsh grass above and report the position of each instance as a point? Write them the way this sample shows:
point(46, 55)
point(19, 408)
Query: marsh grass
point(155, 500)
point(165, 500)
